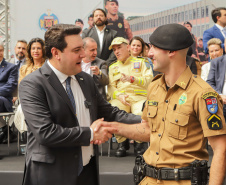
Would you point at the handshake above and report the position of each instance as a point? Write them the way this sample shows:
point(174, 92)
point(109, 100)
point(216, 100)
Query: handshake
point(102, 131)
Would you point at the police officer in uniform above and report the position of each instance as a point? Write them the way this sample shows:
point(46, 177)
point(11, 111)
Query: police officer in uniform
point(116, 22)
point(129, 78)
point(180, 113)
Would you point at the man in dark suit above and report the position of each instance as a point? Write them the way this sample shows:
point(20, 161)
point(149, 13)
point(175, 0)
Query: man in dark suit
point(61, 104)
point(216, 78)
point(8, 83)
point(102, 35)
point(218, 30)
point(94, 66)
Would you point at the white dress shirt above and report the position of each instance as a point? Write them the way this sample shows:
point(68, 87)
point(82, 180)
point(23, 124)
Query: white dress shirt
point(205, 71)
point(83, 114)
point(100, 36)
point(86, 68)
point(221, 29)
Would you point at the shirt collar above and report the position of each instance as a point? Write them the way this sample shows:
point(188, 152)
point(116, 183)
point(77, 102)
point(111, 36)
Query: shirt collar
point(182, 81)
point(220, 27)
point(1, 62)
point(17, 60)
point(61, 76)
point(99, 30)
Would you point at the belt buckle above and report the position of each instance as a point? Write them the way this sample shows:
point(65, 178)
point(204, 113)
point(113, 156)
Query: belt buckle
point(158, 174)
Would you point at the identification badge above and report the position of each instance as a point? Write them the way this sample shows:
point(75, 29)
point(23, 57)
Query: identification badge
point(214, 122)
point(152, 103)
point(183, 99)
point(136, 65)
point(211, 102)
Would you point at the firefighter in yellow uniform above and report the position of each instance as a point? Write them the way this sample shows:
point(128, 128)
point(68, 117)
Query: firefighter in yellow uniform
point(129, 78)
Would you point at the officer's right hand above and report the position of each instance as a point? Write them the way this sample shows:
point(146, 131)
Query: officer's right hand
point(122, 98)
point(223, 98)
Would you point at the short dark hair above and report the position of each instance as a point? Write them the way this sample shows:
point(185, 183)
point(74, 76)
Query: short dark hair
point(105, 14)
point(217, 12)
point(91, 15)
point(187, 22)
point(55, 37)
point(23, 41)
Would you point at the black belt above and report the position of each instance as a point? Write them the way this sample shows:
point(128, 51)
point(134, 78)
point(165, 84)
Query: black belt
point(168, 173)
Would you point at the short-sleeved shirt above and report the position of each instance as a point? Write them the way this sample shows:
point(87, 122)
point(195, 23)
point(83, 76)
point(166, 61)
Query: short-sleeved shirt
point(178, 120)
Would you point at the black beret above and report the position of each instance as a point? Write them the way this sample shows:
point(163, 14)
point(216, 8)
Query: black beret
point(171, 37)
point(79, 20)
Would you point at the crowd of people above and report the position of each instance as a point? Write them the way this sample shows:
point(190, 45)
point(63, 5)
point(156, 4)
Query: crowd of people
point(79, 87)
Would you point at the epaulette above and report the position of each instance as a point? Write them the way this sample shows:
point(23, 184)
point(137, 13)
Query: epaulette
point(200, 82)
point(113, 63)
point(157, 77)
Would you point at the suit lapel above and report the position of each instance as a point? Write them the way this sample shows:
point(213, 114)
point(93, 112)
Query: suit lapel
point(3, 66)
point(81, 82)
point(106, 31)
point(56, 84)
point(218, 33)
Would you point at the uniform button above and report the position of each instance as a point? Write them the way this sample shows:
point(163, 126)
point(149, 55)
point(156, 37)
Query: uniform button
point(159, 135)
point(162, 119)
point(149, 113)
point(176, 120)
point(157, 153)
point(167, 101)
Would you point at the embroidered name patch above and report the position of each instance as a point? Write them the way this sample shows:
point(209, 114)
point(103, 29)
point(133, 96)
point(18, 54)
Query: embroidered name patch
point(152, 103)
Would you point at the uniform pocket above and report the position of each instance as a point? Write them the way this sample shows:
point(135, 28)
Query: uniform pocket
point(43, 158)
point(151, 114)
point(178, 126)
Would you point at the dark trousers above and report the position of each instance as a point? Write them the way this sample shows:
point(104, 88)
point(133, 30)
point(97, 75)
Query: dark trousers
point(89, 174)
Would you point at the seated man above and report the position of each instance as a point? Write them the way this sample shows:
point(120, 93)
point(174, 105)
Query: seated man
point(128, 81)
point(8, 83)
point(95, 66)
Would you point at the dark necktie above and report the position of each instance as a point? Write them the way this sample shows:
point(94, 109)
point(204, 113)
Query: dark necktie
point(71, 97)
point(18, 65)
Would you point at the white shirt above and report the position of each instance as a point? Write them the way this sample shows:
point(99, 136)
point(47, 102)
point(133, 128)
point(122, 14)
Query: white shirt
point(205, 71)
point(221, 29)
point(86, 67)
point(100, 36)
point(83, 114)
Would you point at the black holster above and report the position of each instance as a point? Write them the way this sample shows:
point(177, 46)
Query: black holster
point(138, 169)
point(199, 172)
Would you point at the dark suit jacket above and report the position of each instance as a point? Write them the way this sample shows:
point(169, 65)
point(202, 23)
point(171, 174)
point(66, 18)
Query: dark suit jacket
point(109, 35)
point(190, 61)
point(213, 32)
point(217, 73)
point(54, 135)
point(8, 83)
point(103, 79)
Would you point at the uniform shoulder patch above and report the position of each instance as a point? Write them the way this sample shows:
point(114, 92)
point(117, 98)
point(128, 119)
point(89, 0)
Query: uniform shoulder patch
point(147, 64)
point(157, 77)
point(211, 102)
point(214, 122)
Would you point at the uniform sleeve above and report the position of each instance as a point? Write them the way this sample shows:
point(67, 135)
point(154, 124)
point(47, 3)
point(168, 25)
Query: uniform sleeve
point(146, 75)
point(112, 87)
point(209, 109)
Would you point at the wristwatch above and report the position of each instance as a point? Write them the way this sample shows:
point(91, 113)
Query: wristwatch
point(132, 79)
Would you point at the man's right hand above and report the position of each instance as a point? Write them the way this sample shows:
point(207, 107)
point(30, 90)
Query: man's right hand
point(122, 98)
point(102, 131)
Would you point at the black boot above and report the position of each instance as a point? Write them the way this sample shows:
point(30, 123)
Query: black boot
point(122, 147)
point(138, 148)
point(3, 133)
point(12, 136)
